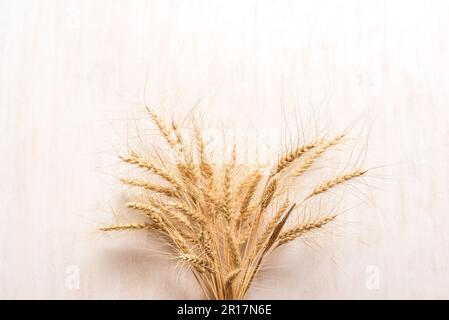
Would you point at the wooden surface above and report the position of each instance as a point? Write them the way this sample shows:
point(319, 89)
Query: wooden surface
point(74, 75)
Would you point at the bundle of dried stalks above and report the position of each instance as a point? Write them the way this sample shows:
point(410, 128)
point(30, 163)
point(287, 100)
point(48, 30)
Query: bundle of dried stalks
point(223, 220)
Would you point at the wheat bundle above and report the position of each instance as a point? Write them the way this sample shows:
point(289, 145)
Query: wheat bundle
point(223, 220)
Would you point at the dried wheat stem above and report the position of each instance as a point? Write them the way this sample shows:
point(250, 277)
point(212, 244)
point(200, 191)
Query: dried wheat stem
point(271, 241)
point(276, 230)
point(270, 226)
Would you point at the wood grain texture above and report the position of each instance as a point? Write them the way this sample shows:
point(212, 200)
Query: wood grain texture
point(74, 74)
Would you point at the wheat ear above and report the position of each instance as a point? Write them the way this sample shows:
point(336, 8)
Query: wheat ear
point(154, 216)
point(318, 152)
point(268, 194)
point(169, 192)
point(206, 168)
point(299, 230)
point(231, 277)
point(227, 193)
point(198, 263)
point(135, 159)
point(335, 182)
point(129, 226)
point(286, 160)
point(250, 184)
point(173, 214)
point(234, 251)
point(164, 131)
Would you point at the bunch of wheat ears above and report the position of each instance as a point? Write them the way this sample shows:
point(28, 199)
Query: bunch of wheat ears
point(222, 220)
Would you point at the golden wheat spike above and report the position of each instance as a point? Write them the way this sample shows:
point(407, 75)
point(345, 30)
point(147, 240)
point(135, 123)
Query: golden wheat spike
point(169, 192)
point(149, 211)
point(227, 193)
point(196, 262)
point(231, 277)
point(233, 248)
point(141, 162)
point(164, 131)
point(335, 182)
point(316, 153)
point(250, 185)
point(301, 229)
point(173, 215)
point(287, 159)
point(129, 226)
point(268, 194)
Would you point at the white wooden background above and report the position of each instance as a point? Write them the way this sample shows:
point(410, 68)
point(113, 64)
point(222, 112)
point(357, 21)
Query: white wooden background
point(74, 73)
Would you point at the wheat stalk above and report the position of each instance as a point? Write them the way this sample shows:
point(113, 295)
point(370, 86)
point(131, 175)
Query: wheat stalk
point(222, 220)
